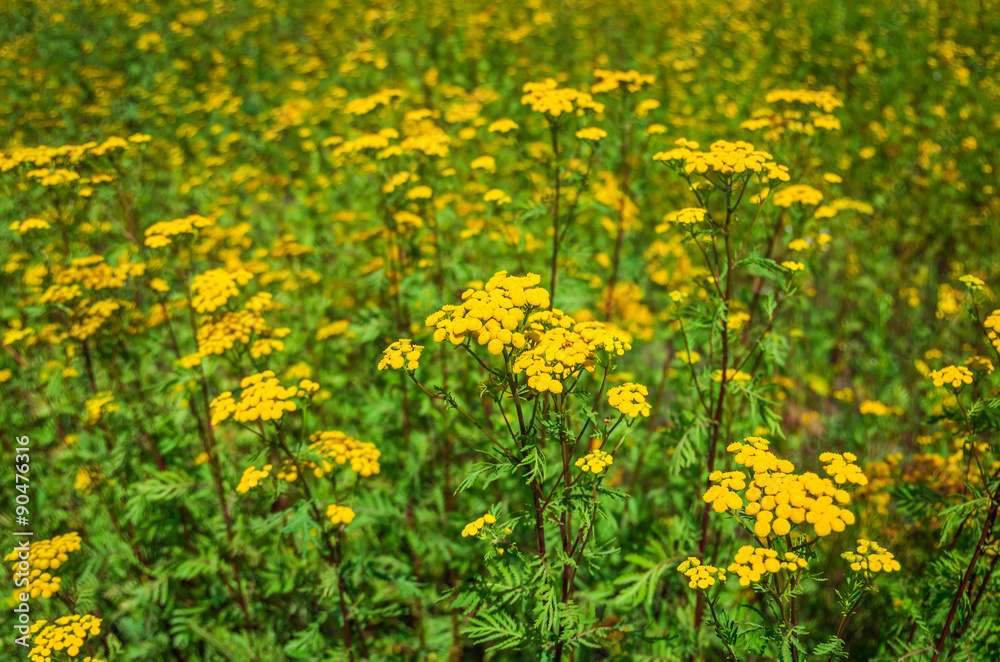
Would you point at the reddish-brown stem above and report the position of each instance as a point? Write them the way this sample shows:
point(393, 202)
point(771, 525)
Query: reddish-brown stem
point(987, 527)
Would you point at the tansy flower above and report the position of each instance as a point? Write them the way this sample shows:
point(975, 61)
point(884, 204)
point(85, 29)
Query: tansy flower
point(502, 126)
point(556, 349)
point(211, 289)
point(339, 514)
point(67, 633)
point(487, 163)
point(421, 192)
point(591, 133)
point(339, 449)
point(688, 216)
point(725, 158)
point(472, 528)
point(29, 224)
point(492, 316)
point(798, 245)
point(548, 98)
point(497, 196)
point(792, 265)
point(975, 363)
point(102, 403)
point(643, 108)
point(953, 375)
point(877, 408)
point(632, 81)
point(780, 499)
point(629, 399)
point(723, 493)
point(44, 557)
point(262, 398)
point(843, 469)
point(595, 462)
point(401, 352)
point(700, 576)
point(799, 193)
point(688, 357)
point(973, 283)
point(871, 557)
point(732, 375)
point(751, 563)
point(159, 234)
point(252, 477)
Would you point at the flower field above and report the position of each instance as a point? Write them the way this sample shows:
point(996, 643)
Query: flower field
point(551, 330)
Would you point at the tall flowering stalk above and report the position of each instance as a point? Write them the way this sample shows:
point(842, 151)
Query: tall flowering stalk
point(540, 370)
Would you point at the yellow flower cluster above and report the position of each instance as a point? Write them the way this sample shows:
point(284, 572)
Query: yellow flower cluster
point(502, 126)
point(842, 468)
point(972, 282)
point(496, 195)
point(87, 479)
point(591, 133)
point(723, 493)
point(93, 273)
point(754, 454)
point(42, 585)
point(609, 81)
point(52, 553)
point(780, 499)
point(837, 206)
point(992, 325)
point(262, 398)
point(979, 364)
point(102, 403)
point(491, 315)
point(341, 449)
point(29, 224)
point(800, 193)
point(472, 528)
point(687, 216)
point(600, 337)
point(90, 317)
point(215, 337)
point(700, 576)
point(558, 348)
point(871, 557)
point(44, 555)
point(556, 351)
point(595, 461)
point(252, 477)
point(401, 352)
point(953, 375)
point(822, 99)
point(725, 158)
point(68, 634)
point(339, 514)
point(53, 177)
point(751, 563)
point(159, 234)
point(211, 289)
point(732, 374)
point(877, 408)
point(548, 98)
point(629, 399)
